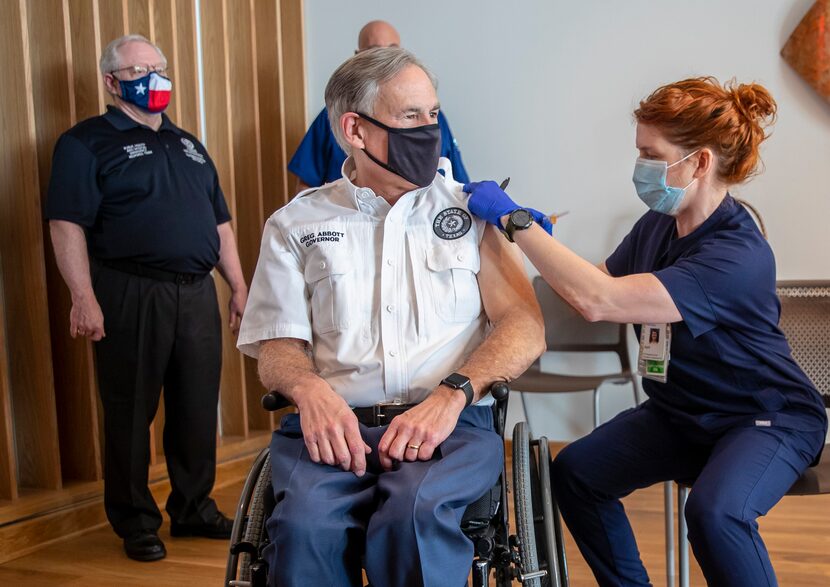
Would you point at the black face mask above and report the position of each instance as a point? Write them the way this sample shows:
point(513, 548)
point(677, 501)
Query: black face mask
point(412, 152)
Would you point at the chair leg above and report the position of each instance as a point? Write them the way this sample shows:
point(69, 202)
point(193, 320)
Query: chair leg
point(527, 418)
point(668, 504)
point(682, 537)
point(596, 407)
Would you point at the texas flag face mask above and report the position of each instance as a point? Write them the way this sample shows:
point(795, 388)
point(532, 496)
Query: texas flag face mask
point(151, 92)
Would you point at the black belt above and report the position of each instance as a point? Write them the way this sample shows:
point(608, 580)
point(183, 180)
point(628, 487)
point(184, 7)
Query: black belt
point(380, 414)
point(140, 270)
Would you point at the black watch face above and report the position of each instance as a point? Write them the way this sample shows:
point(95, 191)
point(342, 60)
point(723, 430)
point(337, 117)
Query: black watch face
point(521, 218)
point(456, 379)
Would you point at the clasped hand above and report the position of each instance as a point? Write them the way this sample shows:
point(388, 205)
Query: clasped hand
point(489, 202)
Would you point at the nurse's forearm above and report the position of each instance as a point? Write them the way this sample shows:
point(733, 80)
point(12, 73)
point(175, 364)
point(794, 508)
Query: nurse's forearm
point(637, 298)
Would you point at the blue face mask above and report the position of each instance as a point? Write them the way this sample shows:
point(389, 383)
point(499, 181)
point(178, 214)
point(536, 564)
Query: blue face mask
point(650, 183)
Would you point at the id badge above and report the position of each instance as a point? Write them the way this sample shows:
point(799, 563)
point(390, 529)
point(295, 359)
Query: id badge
point(655, 345)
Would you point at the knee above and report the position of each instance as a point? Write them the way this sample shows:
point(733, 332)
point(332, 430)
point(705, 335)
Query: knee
point(708, 515)
point(564, 471)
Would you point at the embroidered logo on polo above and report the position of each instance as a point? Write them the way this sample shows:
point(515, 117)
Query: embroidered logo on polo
point(190, 151)
point(137, 150)
point(452, 223)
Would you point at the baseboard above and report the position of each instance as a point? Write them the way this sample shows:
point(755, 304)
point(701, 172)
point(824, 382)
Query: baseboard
point(42, 518)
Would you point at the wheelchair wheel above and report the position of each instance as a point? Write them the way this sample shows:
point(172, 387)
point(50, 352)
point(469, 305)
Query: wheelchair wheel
point(244, 568)
point(529, 572)
point(547, 541)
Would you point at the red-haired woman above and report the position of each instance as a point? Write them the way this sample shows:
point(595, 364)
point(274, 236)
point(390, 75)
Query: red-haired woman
point(729, 410)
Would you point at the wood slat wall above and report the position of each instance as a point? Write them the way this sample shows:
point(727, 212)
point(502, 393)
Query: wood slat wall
point(252, 51)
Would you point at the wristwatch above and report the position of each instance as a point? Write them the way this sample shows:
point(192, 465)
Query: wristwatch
point(462, 382)
point(519, 219)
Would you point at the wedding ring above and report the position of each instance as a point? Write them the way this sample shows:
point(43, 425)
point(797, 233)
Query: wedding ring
point(414, 446)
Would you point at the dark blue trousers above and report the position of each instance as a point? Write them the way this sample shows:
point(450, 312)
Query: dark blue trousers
point(736, 477)
point(404, 523)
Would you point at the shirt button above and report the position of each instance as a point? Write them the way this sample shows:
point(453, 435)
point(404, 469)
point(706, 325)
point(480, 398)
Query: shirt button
point(393, 353)
point(460, 257)
point(390, 308)
point(390, 262)
point(322, 264)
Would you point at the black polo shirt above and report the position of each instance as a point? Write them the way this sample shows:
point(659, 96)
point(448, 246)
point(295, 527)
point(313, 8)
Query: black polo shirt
point(147, 196)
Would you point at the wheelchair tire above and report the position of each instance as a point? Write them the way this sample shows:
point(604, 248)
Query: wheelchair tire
point(523, 505)
point(257, 516)
point(251, 492)
point(547, 546)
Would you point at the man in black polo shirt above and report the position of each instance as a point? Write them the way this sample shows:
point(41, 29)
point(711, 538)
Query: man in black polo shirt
point(138, 221)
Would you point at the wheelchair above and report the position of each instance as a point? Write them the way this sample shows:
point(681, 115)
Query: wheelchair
point(534, 555)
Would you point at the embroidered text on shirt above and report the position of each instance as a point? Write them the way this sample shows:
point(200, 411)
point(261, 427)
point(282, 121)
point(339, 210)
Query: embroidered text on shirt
point(137, 150)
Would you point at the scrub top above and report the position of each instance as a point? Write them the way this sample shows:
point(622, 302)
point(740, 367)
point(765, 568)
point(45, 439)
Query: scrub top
point(319, 158)
point(730, 364)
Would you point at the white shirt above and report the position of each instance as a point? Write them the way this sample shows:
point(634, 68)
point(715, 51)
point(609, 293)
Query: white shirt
point(387, 295)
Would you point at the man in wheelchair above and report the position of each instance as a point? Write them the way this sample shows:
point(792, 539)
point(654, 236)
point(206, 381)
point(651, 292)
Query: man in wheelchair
point(384, 311)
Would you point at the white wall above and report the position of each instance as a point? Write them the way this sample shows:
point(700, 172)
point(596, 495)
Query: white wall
point(543, 91)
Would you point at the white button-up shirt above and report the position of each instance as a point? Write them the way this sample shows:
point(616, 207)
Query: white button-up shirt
point(387, 295)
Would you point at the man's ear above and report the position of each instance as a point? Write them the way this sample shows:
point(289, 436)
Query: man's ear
point(111, 84)
point(352, 131)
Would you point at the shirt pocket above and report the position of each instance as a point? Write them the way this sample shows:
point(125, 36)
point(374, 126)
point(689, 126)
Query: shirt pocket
point(452, 271)
point(328, 278)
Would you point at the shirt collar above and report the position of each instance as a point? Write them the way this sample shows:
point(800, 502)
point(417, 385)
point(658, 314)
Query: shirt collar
point(367, 195)
point(117, 118)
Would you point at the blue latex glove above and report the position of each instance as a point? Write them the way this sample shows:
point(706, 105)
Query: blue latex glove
point(489, 202)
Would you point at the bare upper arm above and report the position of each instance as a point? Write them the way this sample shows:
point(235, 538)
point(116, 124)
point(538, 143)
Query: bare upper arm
point(502, 279)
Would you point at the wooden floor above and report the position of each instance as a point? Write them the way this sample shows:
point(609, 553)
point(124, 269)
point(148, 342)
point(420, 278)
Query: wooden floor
point(797, 534)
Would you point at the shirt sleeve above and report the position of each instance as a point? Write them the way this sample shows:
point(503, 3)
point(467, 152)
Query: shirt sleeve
point(619, 262)
point(217, 198)
point(720, 284)
point(73, 193)
point(278, 305)
point(450, 150)
point(310, 161)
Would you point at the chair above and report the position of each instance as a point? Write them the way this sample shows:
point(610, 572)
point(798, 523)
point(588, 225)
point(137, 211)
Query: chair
point(805, 320)
point(567, 331)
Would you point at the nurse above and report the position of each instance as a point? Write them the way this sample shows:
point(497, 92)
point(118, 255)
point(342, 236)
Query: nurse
point(729, 411)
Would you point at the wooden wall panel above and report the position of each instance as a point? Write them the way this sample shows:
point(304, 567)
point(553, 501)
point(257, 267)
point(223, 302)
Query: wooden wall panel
point(247, 167)
point(85, 46)
point(218, 111)
point(112, 18)
point(24, 276)
point(53, 98)
point(269, 84)
point(50, 427)
point(185, 74)
point(8, 475)
point(293, 67)
point(139, 21)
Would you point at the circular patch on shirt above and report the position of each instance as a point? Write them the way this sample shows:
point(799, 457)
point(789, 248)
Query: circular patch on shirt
point(452, 223)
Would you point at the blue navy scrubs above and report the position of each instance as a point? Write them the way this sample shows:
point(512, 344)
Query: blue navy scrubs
point(319, 158)
point(737, 418)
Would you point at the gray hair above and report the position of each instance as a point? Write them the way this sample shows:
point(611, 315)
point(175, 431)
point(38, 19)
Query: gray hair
point(355, 85)
point(111, 59)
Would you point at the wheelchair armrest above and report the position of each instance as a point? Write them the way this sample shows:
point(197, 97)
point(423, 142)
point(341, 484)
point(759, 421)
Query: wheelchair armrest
point(273, 401)
point(499, 390)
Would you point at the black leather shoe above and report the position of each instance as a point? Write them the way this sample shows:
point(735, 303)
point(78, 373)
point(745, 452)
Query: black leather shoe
point(145, 546)
point(219, 527)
